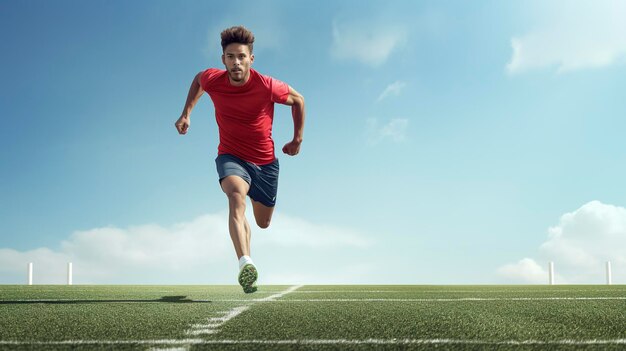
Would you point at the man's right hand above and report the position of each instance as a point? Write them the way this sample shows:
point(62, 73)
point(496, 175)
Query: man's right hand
point(182, 125)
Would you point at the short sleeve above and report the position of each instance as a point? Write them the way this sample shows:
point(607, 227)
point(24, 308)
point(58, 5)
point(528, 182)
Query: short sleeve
point(206, 77)
point(280, 91)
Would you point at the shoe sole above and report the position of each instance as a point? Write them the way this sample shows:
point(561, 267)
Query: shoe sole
point(247, 278)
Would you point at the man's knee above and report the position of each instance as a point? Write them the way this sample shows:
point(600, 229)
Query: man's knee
point(236, 199)
point(235, 189)
point(263, 223)
point(262, 214)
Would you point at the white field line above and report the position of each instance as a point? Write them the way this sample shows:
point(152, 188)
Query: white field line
point(213, 325)
point(441, 299)
point(322, 342)
point(347, 291)
point(280, 294)
point(181, 348)
point(449, 291)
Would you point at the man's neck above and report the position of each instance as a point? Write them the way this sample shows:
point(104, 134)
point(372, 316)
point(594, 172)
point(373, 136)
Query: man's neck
point(241, 82)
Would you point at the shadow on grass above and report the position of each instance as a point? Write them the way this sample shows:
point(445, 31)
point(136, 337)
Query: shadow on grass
point(167, 299)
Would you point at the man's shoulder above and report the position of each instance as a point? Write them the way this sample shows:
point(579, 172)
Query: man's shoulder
point(215, 70)
point(264, 79)
point(212, 73)
point(211, 77)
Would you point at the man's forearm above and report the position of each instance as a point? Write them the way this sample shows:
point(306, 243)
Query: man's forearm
point(297, 111)
point(195, 92)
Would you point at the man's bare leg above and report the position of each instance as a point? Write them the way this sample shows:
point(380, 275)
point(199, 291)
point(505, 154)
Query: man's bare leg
point(236, 190)
point(248, 233)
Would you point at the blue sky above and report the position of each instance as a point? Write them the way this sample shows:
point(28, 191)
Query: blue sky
point(446, 142)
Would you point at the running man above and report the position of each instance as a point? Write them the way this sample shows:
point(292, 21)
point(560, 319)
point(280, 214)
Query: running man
point(246, 164)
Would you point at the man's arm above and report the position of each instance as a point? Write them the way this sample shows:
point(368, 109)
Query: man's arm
point(195, 92)
point(296, 101)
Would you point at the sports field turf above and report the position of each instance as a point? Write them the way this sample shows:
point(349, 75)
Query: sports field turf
point(313, 317)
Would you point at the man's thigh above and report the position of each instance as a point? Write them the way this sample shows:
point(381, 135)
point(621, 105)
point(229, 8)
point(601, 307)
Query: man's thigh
point(233, 175)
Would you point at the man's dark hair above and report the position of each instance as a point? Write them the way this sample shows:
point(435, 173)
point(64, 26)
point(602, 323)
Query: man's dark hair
point(238, 34)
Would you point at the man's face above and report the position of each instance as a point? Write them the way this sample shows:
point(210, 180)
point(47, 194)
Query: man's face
point(237, 59)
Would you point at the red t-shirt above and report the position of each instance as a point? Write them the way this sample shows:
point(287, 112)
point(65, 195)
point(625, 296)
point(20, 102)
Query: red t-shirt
point(245, 113)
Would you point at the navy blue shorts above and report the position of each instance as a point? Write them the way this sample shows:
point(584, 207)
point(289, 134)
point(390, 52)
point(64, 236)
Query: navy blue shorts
point(263, 180)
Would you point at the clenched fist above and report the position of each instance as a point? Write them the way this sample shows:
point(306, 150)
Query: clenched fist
point(292, 148)
point(182, 125)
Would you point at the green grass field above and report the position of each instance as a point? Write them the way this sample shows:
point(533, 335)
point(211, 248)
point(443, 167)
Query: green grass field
point(313, 317)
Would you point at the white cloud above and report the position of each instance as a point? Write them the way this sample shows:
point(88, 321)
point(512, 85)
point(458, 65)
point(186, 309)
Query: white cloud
point(580, 245)
point(283, 233)
point(394, 89)
point(525, 270)
point(394, 130)
point(589, 236)
point(194, 252)
point(366, 42)
point(574, 35)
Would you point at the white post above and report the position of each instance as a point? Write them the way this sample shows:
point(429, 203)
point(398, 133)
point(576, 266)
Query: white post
point(30, 273)
point(551, 273)
point(608, 272)
point(69, 273)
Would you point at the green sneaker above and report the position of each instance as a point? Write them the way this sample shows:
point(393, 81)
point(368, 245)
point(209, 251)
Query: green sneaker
point(247, 278)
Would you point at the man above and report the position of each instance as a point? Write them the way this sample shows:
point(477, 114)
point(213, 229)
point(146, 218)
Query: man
point(246, 164)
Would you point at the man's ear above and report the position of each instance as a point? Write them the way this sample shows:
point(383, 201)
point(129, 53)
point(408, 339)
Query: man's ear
point(223, 60)
point(251, 58)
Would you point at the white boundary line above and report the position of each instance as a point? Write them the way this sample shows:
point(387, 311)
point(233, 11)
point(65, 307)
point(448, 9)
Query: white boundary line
point(214, 323)
point(438, 300)
point(516, 291)
point(280, 294)
point(322, 342)
point(181, 348)
point(462, 299)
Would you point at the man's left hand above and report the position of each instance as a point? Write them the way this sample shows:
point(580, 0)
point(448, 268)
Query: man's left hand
point(292, 148)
